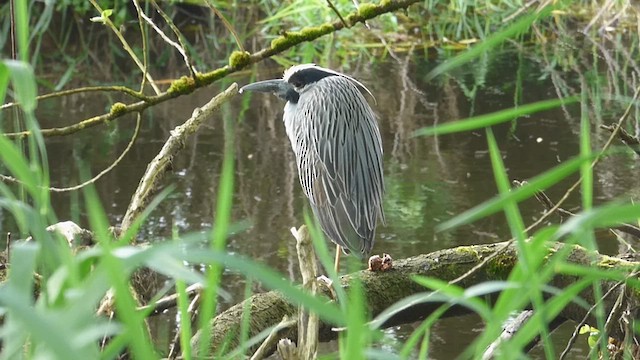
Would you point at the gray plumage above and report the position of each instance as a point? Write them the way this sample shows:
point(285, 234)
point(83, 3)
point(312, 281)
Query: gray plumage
point(338, 149)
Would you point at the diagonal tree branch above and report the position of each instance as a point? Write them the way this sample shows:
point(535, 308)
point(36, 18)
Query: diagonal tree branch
point(158, 167)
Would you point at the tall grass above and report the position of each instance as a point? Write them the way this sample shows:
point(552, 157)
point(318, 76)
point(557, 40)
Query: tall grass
point(51, 293)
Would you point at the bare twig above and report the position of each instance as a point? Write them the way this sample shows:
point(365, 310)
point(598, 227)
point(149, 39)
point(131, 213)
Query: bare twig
point(508, 332)
point(548, 204)
point(522, 9)
point(8, 247)
point(628, 139)
point(614, 315)
point(126, 46)
point(145, 51)
point(308, 322)
point(335, 10)
point(603, 10)
point(576, 331)
point(122, 89)
point(287, 350)
point(180, 47)
point(511, 328)
point(9, 179)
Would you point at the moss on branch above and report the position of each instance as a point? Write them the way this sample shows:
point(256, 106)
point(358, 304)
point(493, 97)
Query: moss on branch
point(238, 60)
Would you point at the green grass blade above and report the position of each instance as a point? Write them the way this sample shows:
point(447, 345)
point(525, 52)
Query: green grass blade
point(553, 308)
point(609, 215)
point(126, 306)
point(486, 120)
point(357, 334)
point(270, 279)
point(4, 82)
point(497, 203)
point(24, 84)
point(514, 218)
point(489, 43)
point(219, 240)
point(21, 18)
point(585, 151)
point(185, 320)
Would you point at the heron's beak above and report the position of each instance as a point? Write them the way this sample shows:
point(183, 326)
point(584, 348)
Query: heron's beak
point(277, 87)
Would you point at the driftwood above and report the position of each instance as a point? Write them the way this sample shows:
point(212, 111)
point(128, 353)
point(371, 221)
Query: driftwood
point(385, 288)
point(511, 328)
point(151, 181)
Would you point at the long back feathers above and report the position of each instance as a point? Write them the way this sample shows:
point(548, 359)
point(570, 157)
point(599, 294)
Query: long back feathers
point(335, 137)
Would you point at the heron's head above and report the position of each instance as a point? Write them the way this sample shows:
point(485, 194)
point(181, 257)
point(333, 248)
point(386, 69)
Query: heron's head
point(296, 80)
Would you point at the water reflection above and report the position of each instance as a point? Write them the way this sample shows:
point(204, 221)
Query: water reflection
point(428, 180)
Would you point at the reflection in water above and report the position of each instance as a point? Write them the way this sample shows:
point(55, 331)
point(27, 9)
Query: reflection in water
point(428, 180)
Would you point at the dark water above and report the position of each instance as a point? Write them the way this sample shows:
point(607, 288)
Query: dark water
point(428, 180)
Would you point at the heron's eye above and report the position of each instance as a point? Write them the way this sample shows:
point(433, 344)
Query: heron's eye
point(296, 83)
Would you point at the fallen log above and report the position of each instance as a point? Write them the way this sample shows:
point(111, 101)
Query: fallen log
point(383, 289)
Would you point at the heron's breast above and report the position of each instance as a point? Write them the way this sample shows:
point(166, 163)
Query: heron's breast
point(294, 125)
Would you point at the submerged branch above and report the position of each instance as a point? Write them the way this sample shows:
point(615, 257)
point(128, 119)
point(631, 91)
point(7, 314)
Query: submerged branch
point(238, 60)
point(383, 289)
point(631, 141)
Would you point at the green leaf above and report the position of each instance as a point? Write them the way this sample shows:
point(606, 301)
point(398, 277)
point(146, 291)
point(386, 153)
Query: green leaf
point(21, 13)
point(585, 329)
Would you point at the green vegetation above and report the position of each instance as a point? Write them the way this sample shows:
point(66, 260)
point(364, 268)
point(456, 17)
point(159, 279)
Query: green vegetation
point(66, 302)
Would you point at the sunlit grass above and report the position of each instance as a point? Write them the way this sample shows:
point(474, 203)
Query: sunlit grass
point(60, 322)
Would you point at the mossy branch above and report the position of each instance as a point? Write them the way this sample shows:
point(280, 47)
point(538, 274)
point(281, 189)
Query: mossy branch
point(238, 60)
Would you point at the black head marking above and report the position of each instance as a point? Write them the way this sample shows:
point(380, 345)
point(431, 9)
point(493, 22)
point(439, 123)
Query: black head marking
point(303, 77)
point(292, 96)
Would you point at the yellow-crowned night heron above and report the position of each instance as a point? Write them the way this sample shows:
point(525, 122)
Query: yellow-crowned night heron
point(336, 140)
